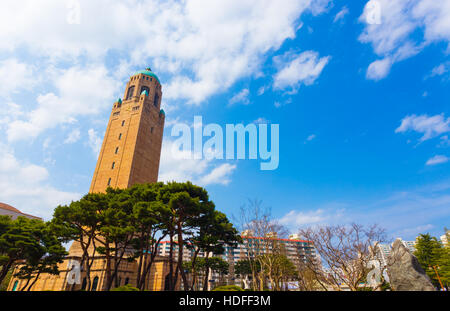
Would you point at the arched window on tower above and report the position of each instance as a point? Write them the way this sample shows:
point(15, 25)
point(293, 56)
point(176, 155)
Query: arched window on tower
point(94, 284)
point(145, 88)
point(16, 284)
point(130, 92)
point(156, 100)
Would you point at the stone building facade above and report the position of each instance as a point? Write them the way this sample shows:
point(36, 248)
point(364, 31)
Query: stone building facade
point(127, 274)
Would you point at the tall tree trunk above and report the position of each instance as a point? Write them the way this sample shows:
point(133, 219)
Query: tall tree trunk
point(34, 281)
point(141, 271)
point(180, 257)
point(140, 264)
point(194, 272)
point(205, 283)
point(170, 279)
point(4, 271)
point(108, 268)
point(25, 286)
point(88, 267)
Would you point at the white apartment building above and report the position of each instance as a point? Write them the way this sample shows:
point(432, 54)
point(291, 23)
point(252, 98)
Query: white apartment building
point(444, 238)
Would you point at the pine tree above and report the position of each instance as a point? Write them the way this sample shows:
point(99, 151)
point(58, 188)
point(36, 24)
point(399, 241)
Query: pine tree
point(428, 252)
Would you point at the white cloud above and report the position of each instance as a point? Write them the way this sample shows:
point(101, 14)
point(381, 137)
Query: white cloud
point(414, 231)
point(178, 165)
point(240, 98)
point(298, 218)
point(429, 126)
point(296, 69)
point(25, 186)
point(81, 91)
point(437, 159)
point(331, 214)
point(435, 15)
point(9, 112)
point(379, 69)
point(404, 213)
point(73, 136)
point(439, 70)
point(219, 175)
point(310, 137)
point(341, 14)
point(444, 141)
point(95, 141)
point(211, 44)
point(15, 76)
point(262, 90)
point(261, 120)
point(393, 37)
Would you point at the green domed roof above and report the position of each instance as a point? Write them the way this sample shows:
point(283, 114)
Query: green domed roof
point(147, 72)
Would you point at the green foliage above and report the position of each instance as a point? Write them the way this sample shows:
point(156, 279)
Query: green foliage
point(243, 267)
point(33, 243)
point(228, 288)
point(125, 288)
point(432, 255)
point(427, 249)
point(385, 286)
point(283, 266)
point(195, 224)
point(112, 223)
point(216, 264)
point(5, 283)
point(138, 218)
point(443, 266)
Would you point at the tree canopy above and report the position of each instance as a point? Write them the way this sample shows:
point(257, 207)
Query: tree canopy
point(33, 244)
point(129, 224)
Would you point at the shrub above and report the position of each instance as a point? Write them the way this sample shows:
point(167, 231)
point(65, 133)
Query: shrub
point(125, 288)
point(228, 288)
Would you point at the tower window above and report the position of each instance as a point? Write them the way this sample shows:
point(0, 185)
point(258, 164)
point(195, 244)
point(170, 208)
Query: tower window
point(151, 130)
point(117, 150)
point(94, 284)
point(109, 182)
point(156, 100)
point(120, 136)
point(113, 164)
point(123, 122)
point(130, 92)
point(145, 88)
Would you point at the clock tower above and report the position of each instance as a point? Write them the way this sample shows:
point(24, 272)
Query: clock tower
point(131, 147)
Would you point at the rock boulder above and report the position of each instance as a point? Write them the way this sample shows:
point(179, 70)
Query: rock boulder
point(405, 272)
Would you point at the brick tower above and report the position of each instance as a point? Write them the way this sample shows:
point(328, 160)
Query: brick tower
point(131, 147)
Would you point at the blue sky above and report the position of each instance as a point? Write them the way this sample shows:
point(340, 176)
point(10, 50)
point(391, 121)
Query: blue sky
point(363, 108)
